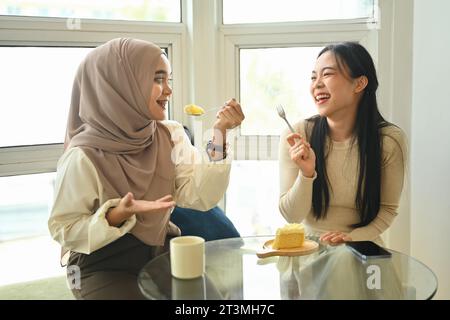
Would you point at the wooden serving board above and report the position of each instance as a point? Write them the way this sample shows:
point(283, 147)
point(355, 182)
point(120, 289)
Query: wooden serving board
point(308, 247)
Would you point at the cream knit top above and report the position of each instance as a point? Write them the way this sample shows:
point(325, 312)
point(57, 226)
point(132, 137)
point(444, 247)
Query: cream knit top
point(342, 168)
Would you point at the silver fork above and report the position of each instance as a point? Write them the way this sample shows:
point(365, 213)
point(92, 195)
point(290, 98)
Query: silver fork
point(282, 114)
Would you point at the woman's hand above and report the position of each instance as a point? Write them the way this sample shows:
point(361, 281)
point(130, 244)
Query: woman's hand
point(335, 238)
point(302, 154)
point(129, 206)
point(229, 116)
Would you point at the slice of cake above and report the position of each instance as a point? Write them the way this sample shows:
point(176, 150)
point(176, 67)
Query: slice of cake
point(193, 110)
point(291, 235)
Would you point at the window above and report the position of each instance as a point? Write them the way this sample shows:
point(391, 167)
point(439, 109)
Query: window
point(252, 197)
point(37, 85)
point(24, 235)
point(272, 76)
point(236, 11)
point(141, 10)
point(269, 54)
point(36, 96)
point(25, 205)
point(39, 58)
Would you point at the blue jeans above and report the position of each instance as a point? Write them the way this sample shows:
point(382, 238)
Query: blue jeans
point(210, 225)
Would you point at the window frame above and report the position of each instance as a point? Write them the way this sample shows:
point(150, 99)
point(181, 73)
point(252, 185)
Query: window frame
point(56, 32)
point(378, 35)
point(313, 23)
point(234, 37)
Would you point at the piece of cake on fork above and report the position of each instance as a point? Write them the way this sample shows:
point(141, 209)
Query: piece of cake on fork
point(291, 235)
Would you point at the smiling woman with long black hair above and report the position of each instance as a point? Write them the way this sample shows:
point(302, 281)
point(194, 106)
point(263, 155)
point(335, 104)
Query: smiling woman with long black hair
point(342, 171)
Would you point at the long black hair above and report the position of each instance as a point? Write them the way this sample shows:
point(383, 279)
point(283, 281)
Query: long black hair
point(358, 62)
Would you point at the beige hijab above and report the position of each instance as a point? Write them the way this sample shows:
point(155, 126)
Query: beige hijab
point(110, 121)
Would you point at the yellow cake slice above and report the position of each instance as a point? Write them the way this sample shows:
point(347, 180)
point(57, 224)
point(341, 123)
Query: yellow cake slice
point(193, 110)
point(291, 235)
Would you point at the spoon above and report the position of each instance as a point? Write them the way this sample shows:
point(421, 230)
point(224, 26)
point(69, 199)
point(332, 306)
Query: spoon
point(201, 111)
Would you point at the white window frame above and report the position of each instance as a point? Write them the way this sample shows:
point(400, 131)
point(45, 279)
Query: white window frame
point(234, 37)
point(39, 31)
point(388, 39)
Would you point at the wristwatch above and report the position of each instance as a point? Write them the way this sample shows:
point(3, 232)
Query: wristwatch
point(211, 148)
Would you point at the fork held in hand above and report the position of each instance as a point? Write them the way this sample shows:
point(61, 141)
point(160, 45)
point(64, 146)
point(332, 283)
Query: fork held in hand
point(282, 114)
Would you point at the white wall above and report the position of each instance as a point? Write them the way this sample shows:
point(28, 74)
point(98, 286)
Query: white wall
point(430, 144)
point(395, 77)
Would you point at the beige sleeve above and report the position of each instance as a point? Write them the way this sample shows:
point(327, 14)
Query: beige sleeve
point(74, 222)
point(199, 182)
point(295, 189)
point(392, 179)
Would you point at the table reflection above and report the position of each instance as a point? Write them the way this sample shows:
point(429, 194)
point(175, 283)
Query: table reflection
point(338, 274)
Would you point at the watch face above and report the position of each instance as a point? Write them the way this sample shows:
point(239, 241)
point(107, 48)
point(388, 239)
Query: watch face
point(214, 147)
point(211, 149)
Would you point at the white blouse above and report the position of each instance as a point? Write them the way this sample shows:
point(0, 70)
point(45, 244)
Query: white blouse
point(199, 184)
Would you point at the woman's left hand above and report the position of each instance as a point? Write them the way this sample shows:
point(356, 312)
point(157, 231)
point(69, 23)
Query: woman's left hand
point(335, 238)
point(229, 116)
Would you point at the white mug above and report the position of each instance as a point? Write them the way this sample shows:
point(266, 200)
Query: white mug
point(187, 257)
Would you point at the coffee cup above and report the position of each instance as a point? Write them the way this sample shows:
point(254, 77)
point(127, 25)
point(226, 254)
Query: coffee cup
point(187, 257)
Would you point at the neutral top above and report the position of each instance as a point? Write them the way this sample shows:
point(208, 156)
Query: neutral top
point(80, 225)
point(342, 168)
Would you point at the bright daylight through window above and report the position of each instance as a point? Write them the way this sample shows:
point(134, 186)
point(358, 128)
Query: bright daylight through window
point(238, 11)
point(36, 87)
point(24, 236)
point(274, 76)
point(138, 10)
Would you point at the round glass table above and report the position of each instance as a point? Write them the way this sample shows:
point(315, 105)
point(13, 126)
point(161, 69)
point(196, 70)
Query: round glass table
point(233, 271)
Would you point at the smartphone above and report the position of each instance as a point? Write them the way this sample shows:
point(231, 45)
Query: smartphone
point(366, 250)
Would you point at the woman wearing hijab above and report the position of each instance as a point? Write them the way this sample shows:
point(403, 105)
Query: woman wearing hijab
point(124, 168)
